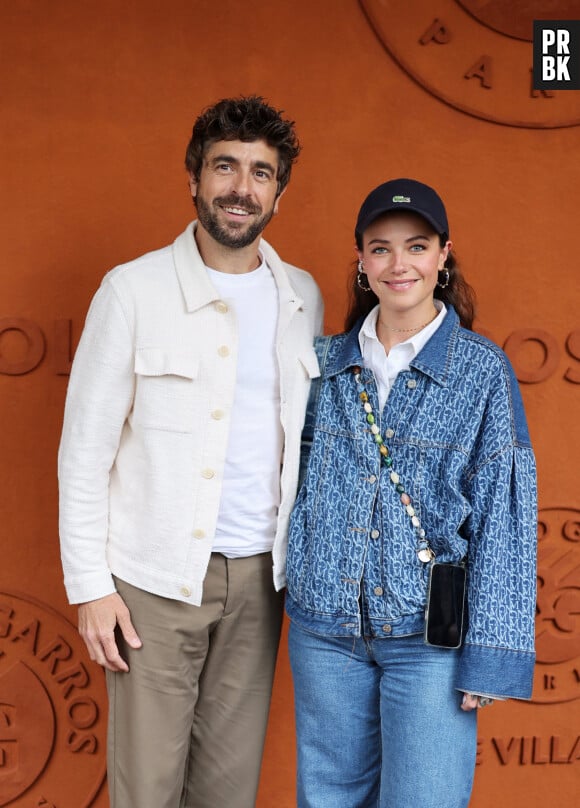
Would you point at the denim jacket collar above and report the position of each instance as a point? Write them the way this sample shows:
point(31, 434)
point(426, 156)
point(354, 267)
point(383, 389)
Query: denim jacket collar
point(433, 360)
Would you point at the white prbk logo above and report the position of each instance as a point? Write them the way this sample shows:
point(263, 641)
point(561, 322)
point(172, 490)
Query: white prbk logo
point(555, 66)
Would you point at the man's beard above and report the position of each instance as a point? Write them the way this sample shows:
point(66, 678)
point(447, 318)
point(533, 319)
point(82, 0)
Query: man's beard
point(231, 236)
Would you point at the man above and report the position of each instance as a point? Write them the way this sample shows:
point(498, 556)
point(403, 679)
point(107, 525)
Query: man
point(178, 469)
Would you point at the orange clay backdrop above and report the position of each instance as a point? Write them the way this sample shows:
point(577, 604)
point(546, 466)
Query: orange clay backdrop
point(97, 103)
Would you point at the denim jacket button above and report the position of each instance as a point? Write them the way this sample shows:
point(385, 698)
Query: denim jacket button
point(372, 479)
point(411, 384)
point(389, 433)
point(378, 590)
point(375, 534)
point(387, 628)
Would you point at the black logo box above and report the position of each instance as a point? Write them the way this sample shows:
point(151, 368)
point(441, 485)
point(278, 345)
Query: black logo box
point(561, 71)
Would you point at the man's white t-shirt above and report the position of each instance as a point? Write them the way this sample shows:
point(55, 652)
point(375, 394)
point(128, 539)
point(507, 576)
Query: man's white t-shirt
point(251, 486)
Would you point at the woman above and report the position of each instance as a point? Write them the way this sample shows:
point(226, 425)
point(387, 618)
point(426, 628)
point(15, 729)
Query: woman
point(420, 451)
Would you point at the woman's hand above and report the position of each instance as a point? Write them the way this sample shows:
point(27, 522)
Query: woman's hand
point(471, 702)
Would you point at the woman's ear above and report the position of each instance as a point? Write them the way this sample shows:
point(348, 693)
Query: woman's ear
point(444, 253)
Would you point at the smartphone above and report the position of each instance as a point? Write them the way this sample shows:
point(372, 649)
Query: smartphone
point(445, 605)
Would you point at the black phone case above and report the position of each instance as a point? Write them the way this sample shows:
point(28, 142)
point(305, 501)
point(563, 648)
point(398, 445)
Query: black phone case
point(445, 605)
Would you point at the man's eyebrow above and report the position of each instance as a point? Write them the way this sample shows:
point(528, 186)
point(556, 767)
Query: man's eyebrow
point(264, 164)
point(228, 158)
point(223, 158)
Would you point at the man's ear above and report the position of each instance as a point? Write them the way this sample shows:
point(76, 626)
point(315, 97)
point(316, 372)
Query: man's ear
point(278, 198)
point(193, 186)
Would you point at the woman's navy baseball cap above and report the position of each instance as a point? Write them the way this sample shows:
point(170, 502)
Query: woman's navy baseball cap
point(403, 194)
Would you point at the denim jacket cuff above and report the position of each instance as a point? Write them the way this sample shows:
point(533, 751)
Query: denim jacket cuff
point(498, 672)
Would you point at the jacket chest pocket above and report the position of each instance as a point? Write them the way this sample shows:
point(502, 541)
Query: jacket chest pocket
point(166, 394)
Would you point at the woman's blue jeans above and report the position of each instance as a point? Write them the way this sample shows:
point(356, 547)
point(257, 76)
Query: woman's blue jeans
point(379, 724)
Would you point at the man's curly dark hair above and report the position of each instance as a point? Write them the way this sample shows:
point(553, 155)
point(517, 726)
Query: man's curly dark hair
point(247, 119)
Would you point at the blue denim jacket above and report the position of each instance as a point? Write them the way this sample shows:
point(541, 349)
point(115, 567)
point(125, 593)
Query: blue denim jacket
point(455, 427)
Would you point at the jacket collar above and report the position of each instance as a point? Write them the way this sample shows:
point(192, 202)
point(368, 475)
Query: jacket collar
point(197, 289)
point(434, 359)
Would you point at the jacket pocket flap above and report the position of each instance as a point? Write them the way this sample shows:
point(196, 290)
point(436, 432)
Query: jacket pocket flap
point(310, 362)
point(160, 362)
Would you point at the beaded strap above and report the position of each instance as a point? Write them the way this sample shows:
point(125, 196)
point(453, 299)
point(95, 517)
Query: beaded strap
point(424, 551)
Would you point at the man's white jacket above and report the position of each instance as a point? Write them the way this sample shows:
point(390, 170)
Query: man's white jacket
point(148, 408)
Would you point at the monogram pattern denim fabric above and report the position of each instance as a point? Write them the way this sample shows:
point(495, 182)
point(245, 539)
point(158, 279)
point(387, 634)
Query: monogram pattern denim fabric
point(456, 430)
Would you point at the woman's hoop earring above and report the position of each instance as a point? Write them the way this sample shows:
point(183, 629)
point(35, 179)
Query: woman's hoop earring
point(362, 284)
point(446, 284)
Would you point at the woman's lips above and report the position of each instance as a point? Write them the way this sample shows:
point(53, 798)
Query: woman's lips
point(401, 286)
